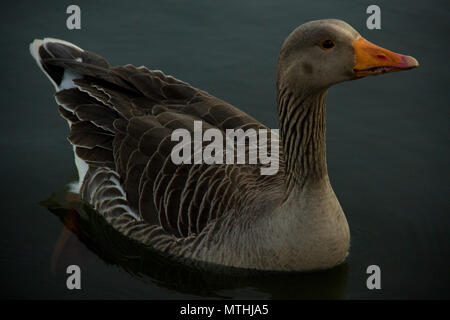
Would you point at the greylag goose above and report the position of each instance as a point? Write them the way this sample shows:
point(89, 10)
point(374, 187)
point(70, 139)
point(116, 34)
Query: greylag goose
point(121, 120)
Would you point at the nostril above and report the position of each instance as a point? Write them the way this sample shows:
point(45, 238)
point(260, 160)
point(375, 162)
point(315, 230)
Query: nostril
point(381, 56)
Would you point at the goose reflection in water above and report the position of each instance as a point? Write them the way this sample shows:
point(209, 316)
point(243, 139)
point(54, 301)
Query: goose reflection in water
point(85, 230)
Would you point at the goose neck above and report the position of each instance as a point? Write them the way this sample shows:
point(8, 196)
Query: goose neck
point(303, 137)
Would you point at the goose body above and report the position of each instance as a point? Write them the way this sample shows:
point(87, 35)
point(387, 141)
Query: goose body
point(121, 120)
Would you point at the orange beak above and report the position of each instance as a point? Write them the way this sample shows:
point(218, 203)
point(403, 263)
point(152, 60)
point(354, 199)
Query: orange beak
point(372, 60)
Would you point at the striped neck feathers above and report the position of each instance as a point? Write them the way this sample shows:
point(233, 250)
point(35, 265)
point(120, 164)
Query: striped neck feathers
point(303, 135)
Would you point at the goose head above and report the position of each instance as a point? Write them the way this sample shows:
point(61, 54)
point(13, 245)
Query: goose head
point(321, 53)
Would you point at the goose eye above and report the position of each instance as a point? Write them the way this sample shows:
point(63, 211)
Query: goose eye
point(327, 44)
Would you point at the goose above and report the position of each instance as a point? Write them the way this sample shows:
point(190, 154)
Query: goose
point(121, 120)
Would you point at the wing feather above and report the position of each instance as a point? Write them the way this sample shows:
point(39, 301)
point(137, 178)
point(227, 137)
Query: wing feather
point(122, 119)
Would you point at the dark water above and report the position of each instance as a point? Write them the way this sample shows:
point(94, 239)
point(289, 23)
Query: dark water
point(388, 145)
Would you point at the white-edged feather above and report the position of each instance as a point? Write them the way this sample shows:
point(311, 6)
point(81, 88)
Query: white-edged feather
point(66, 83)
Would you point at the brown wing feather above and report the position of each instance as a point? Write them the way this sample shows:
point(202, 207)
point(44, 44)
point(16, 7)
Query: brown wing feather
point(122, 118)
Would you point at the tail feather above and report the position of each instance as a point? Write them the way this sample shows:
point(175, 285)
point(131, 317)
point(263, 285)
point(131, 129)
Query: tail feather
point(63, 62)
point(49, 51)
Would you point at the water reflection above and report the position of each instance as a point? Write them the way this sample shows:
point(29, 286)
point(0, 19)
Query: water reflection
point(205, 280)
